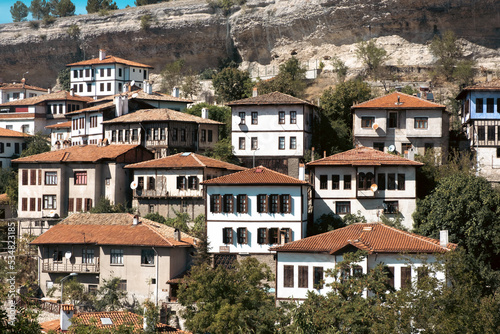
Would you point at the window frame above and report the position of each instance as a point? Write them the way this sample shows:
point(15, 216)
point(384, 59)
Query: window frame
point(254, 144)
point(262, 236)
point(242, 116)
point(392, 119)
point(342, 207)
point(288, 279)
point(274, 203)
point(367, 121)
point(303, 281)
point(255, 118)
point(242, 235)
point(242, 203)
point(228, 203)
point(215, 203)
point(262, 203)
point(391, 207)
point(293, 117)
point(49, 202)
point(227, 235)
point(147, 257)
point(421, 123)
point(241, 143)
point(281, 143)
point(80, 178)
point(50, 178)
point(335, 182)
point(281, 117)
point(347, 182)
point(318, 278)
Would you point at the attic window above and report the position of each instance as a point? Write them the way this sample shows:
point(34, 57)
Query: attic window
point(106, 321)
point(367, 228)
point(259, 170)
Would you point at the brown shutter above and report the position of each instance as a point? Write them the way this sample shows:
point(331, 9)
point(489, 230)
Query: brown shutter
point(231, 202)
point(39, 177)
point(288, 276)
point(25, 177)
point(71, 205)
point(32, 204)
point(24, 204)
point(39, 204)
point(303, 275)
point(78, 204)
point(390, 276)
point(33, 177)
point(405, 277)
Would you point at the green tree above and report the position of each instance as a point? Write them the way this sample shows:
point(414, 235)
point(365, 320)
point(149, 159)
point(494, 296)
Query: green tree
point(19, 11)
point(172, 75)
point(223, 150)
point(94, 6)
point(62, 8)
point(63, 79)
point(216, 113)
point(291, 80)
point(156, 217)
point(191, 85)
point(5, 175)
point(340, 68)
point(180, 221)
point(232, 84)
point(39, 9)
point(109, 296)
point(36, 144)
point(233, 300)
point(104, 206)
point(372, 57)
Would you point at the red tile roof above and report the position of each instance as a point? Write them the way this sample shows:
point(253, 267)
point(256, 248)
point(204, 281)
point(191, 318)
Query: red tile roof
point(371, 237)
point(86, 153)
point(271, 98)
point(141, 95)
point(57, 96)
point(20, 86)
point(63, 125)
point(24, 115)
point(109, 60)
point(93, 108)
point(12, 133)
point(406, 101)
point(185, 160)
point(493, 85)
point(364, 156)
point(155, 115)
point(256, 176)
point(112, 229)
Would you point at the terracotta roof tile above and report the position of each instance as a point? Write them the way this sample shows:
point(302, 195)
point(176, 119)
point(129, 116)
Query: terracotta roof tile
point(19, 85)
point(63, 125)
point(271, 98)
point(12, 133)
point(57, 96)
point(390, 101)
point(256, 175)
point(185, 160)
point(372, 237)
point(364, 156)
point(109, 60)
point(154, 115)
point(112, 229)
point(86, 153)
point(493, 85)
point(22, 115)
point(93, 108)
point(141, 95)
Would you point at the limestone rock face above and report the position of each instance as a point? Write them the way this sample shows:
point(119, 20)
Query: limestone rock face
point(260, 31)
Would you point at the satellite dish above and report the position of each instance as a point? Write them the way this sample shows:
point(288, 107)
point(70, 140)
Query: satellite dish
point(68, 255)
point(133, 185)
point(52, 213)
point(135, 95)
point(391, 148)
point(375, 126)
point(374, 187)
point(132, 83)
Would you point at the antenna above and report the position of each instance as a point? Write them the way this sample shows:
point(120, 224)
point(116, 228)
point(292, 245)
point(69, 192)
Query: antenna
point(135, 95)
point(68, 255)
point(374, 187)
point(375, 126)
point(133, 185)
point(391, 148)
point(132, 83)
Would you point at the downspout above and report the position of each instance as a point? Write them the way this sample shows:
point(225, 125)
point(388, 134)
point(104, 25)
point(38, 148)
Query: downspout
point(157, 269)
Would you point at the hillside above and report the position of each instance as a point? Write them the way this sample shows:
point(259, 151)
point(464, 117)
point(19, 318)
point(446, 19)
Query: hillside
point(260, 32)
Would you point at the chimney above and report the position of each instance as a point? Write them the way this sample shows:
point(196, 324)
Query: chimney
point(49, 90)
point(23, 81)
point(312, 154)
point(66, 313)
point(204, 113)
point(102, 54)
point(72, 92)
point(255, 92)
point(324, 154)
point(302, 172)
point(125, 88)
point(177, 235)
point(443, 238)
point(175, 92)
point(136, 220)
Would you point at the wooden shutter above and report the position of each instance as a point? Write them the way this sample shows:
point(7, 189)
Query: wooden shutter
point(405, 277)
point(25, 177)
point(33, 177)
point(32, 204)
point(390, 276)
point(288, 276)
point(24, 204)
point(242, 235)
point(262, 235)
point(303, 275)
point(78, 204)
point(39, 204)
point(88, 204)
point(39, 177)
point(71, 205)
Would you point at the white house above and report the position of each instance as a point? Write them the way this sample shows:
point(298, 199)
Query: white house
point(366, 180)
point(106, 75)
point(401, 123)
point(18, 91)
point(251, 210)
point(274, 129)
point(60, 135)
point(301, 265)
point(172, 184)
point(11, 145)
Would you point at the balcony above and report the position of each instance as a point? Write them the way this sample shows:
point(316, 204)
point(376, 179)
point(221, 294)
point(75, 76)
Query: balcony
point(56, 267)
point(151, 193)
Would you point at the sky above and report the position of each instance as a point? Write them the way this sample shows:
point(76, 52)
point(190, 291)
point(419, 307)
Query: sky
point(80, 5)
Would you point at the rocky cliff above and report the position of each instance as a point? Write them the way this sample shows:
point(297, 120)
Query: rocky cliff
point(258, 32)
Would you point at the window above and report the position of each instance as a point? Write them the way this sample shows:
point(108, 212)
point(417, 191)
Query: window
point(318, 277)
point(80, 178)
point(228, 203)
point(109, 72)
point(281, 117)
point(405, 277)
point(303, 275)
point(135, 134)
point(335, 181)
point(479, 105)
point(481, 133)
point(281, 145)
point(427, 147)
point(365, 180)
point(174, 134)
point(88, 204)
point(151, 208)
point(347, 181)
point(215, 206)
point(391, 181)
point(116, 256)
point(151, 183)
point(262, 203)
point(25, 177)
point(93, 121)
point(293, 143)
point(183, 134)
point(32, 204)
point(193, 182)
point(293, 117)
point(89, 88)
point(286, 205)
point(242, 235)
point(288, 276)
point(88, 256)
point(33, 177)
point(421, 122)
point(102, 87)
point(323, 182)
point(81, 73)
point(147, 256)
point(401, 182)
point(367, 121)
point(50, 178)
point(357, 271)
point(273, 203)
point(203, 135)
point(122, 285)
point(342, 208)
point(120, 135)
point(57, 256)
point(16, 148)
point(262, 236)
point(422, 275)
point(255, 117)
point(210, 136)
point(285, 235)
point(113, 136)
point(490, 105)
point(391, 207)
point(393, 120)
point(255, 144)
point(127, 136)
point(491, 133)
point(242, 118)
point(273, 235)
point(405, 147)
point(24, 204)
point(75, 74)
point(381, 181)
point(78, 204)
point(71, 204)
point(87, 72)
point(181, 182)
point(242, 204)
point(49, 202)
point(227, 235)
point(241, 144)
point(498, 152)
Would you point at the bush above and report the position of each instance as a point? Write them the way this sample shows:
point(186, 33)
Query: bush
point(34, 25)
point(73, 31)
point(146, 22)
